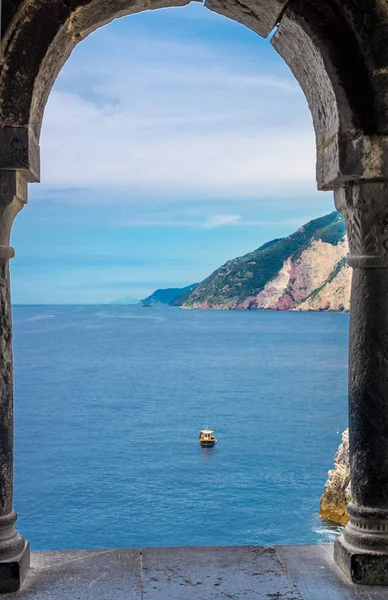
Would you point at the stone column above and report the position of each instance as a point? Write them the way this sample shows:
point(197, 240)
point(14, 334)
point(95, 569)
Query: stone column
point(362, 551)
point(14, 550)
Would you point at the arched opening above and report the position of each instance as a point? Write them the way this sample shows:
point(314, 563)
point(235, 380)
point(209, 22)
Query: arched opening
point(160, 504)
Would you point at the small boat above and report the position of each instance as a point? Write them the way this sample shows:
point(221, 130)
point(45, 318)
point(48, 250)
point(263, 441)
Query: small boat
point(206, 438)
point(146, 305)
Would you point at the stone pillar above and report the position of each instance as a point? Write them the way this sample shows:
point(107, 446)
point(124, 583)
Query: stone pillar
point(362, 551)
point(14, 550)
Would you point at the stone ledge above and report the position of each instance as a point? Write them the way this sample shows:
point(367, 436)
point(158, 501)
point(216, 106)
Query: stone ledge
point(191, 573)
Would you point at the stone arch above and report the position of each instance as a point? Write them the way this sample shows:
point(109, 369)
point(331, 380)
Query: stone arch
point(337, 54)
point(338, 51)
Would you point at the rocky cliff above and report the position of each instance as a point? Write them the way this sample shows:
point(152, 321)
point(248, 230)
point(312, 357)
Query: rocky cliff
point(305, 271)
point(336, 493)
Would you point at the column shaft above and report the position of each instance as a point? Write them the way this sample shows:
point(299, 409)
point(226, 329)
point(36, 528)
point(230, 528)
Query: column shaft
point(368, 388)
point(362, 550)
point(6, 393)
point(14, 550)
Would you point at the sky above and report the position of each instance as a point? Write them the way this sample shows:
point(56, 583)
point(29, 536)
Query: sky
point(173, 141)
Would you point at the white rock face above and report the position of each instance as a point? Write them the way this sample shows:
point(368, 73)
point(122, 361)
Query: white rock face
point(274, 289)
point(311, 282)
point(315, 265)
point(335, 295)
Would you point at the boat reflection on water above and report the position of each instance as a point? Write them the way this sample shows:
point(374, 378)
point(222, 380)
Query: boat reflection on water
point(208, 456)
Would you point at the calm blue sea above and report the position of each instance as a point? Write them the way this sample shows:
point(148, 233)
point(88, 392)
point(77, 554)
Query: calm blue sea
point(109, 403)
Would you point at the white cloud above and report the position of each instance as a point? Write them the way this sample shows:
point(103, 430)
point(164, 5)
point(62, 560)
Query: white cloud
point(178, 120)
point(221, 220)
point(211, 221)
point(207, 221)
point(86, 146)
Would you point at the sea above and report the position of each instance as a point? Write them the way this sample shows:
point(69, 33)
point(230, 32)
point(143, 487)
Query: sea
point(109, 401)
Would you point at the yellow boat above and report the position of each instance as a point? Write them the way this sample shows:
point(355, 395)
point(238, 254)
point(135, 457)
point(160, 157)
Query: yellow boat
point(206, 438)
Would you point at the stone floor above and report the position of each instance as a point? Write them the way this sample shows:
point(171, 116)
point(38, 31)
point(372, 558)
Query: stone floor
point(234, 573)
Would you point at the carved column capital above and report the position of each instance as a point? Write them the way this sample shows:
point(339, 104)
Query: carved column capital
point(13, 197)
point(364, 206)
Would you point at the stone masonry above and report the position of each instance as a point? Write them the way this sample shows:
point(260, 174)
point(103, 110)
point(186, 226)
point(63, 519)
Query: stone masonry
point(338, 51)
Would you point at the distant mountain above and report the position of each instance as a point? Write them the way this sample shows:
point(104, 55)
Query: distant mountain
point(171, 296)
point(128, 300)
point(305, 271)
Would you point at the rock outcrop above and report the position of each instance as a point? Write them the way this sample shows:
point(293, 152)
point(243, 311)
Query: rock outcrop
point(337, 493)
point(305, 271)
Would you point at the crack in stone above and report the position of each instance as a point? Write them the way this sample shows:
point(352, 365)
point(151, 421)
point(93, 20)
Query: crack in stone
point(141, 575)
point(288, 574)
point(70, 560)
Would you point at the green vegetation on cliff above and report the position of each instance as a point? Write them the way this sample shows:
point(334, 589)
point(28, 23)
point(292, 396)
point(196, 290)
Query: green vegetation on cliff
point(170, 295)
point(246, 276)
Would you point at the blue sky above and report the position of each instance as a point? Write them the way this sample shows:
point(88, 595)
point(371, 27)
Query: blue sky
point(173, 140)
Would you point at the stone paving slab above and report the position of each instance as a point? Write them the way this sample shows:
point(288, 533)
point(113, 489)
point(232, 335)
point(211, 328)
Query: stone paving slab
point(82, 575)
point(238, 573)
point(235, 573)
point(316, 576)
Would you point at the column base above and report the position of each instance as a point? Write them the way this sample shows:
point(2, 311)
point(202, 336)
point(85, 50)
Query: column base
point(365, 567)
point(14, 571)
